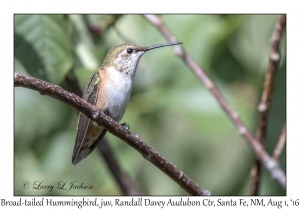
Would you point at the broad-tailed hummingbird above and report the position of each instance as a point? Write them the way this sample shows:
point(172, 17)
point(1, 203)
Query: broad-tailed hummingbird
point(109, 89)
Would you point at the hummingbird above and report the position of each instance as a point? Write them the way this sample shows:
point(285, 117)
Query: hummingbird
point(109, 89)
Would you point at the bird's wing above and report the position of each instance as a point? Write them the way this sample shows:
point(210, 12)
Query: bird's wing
point(90, 95)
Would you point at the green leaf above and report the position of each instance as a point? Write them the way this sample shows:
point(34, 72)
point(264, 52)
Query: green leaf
point(43, 46)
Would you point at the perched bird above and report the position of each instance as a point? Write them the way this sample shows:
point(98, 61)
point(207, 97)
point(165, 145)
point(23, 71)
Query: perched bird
point(109, 89)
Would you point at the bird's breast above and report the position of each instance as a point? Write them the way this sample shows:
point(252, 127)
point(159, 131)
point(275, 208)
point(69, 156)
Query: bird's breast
point(114, 92)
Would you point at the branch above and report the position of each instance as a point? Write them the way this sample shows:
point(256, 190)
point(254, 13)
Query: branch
point(123, 180)
point(126, 184)
point(113, 127)
point(261, 154)
point(266, 97)
point(280, 144)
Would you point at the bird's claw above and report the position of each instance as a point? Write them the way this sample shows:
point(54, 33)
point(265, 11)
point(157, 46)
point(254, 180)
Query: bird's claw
point(126, 126)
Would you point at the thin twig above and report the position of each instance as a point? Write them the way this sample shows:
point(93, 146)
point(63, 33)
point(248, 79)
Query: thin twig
point(266, 98)
point(261, 154)
point(73, 83)
point(125, 183)
point(280, 144)
point(113, 127)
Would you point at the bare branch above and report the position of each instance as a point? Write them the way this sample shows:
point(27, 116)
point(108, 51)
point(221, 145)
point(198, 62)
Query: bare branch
point(265, 103)
point(126, 184)
point(113, 127)
point(123, 180)
point(280, 144)
point(73, 83)
point(261, 154)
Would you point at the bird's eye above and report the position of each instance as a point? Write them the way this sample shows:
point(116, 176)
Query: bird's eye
point(129, 50)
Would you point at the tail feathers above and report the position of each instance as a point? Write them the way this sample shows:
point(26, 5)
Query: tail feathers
point(87, 147)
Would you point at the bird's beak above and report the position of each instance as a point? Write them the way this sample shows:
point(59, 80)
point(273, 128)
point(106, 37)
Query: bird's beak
point(162, 45)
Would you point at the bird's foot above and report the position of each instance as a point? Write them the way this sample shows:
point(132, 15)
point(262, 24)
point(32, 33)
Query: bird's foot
point(107, 112)
point(126, 126)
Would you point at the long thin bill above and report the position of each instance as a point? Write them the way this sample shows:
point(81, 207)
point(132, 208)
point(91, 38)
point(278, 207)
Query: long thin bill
point(163, 45)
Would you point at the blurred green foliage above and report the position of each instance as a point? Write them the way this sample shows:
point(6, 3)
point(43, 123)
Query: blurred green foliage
point(169, 108)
